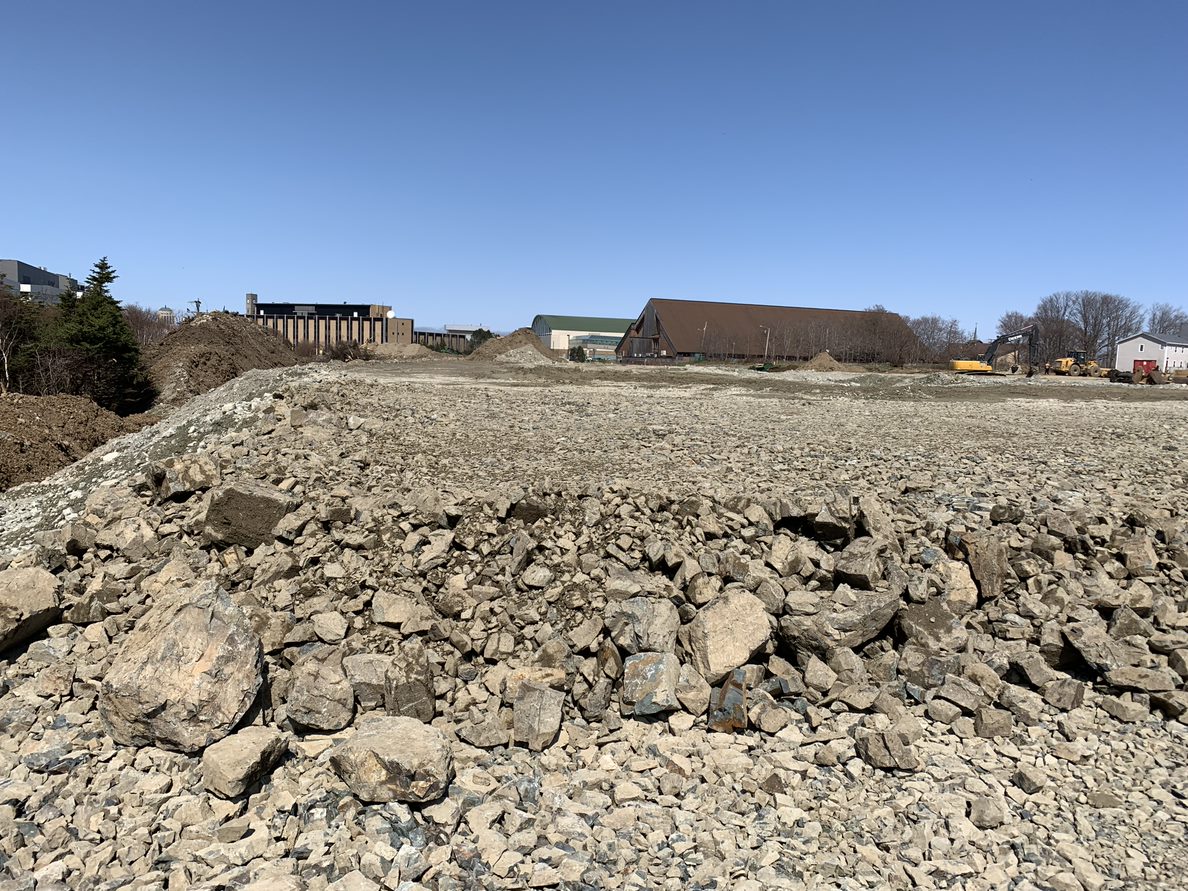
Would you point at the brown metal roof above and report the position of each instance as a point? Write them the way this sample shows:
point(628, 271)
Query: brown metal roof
point(689, 323)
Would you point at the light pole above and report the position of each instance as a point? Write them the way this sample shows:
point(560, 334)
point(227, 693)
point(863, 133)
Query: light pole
point(767, 342)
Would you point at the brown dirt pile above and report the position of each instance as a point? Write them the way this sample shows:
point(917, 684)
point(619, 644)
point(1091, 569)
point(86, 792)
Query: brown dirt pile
point(823, 362)
point(403, 351)
point(40, 435)
point(209, 350)
point(520, 343)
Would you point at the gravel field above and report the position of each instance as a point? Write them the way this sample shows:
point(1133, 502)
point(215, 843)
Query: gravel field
point(452, 625)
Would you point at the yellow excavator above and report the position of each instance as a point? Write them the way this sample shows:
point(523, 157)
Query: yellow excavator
point(1076, 364)
point(985, 364)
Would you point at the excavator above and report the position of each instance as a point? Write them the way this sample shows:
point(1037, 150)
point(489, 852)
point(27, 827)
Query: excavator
point(985, 365)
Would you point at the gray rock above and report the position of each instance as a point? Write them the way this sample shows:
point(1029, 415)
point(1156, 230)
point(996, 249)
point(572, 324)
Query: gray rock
point(933, 626)
point(245, 513)
point(987, 812)
point(234, 764)
point(650, 683)
point(394, 759)
point(858, 564)
point(725, 633)
point(320, 695)
point(185, 675)
point(537, 715)
point(28, 604)
point(643, 624)
point(886, 749)
point(1150, 680)
point(845, 618)
point(367, 673)
point(986, 554)
point(408, 687)
point(1030, 779)
point(177, 478)
point(692, 690)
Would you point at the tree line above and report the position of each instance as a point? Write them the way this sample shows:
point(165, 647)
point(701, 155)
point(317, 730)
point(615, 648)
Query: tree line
point(1093, 321)
point(86, 345)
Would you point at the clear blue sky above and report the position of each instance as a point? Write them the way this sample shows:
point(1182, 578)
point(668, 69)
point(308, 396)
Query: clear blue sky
point(483, 162)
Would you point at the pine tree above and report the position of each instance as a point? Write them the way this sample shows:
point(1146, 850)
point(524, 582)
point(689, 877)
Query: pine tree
point(95, 326)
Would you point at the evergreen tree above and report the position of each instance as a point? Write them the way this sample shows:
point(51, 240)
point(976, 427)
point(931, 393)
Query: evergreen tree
point(96, 328)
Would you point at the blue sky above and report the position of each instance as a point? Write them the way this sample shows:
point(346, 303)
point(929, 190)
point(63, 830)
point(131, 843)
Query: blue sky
point(483, 162)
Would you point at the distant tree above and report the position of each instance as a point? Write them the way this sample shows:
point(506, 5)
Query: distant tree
point(1163, 318)
point(1013, 321)
point(577, 354)
point(17, 329)
point(146, 325)
point(478, 337)
point(938, 338)
point(95, 327)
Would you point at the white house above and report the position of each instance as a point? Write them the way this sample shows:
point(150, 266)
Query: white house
point(1167, 353)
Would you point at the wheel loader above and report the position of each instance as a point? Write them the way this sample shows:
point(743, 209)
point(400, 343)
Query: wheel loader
point(1076, 364)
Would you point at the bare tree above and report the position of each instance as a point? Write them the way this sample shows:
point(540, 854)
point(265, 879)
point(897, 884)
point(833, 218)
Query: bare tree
point(146, 324)
point(15, 332)
point(938, 338)
point(1013, 321)
point(1163, 318)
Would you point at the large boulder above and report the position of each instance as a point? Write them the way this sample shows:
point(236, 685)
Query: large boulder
point(395, 759)
point(186, 674)
point(28, 604)
point(245, 513)
point(725, 633)
point(643, 624)
point(233, 765)
point(650, 683)
point(843, 618)
point(179, 477)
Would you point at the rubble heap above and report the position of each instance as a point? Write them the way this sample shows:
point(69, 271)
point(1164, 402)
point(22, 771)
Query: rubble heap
point(223, 678)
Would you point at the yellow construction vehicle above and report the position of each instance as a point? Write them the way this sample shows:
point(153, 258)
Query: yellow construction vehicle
point(985, 364)
point(1076, 364)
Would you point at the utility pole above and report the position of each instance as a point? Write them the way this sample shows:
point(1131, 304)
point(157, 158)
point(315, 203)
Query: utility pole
point(766, 343)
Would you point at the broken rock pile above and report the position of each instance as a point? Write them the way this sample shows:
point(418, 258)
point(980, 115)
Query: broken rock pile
point(218, 681)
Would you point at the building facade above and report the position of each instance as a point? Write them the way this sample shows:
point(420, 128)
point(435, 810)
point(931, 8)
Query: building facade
point(36, 282)
point(1169, 353)
point(558, 333)
point(319, 326)
point(693, 330)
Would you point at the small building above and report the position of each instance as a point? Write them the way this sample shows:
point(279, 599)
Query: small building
point(318, 326)
point(1169, 352)
point(558, 333)
point(165, 316)
point(598, 347)
point(443, 339)
point(36, 283)
point(692, 330)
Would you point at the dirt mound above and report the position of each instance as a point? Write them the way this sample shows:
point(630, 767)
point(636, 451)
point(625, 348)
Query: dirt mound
point(404, 351)
point(823, 362)
point(516, 349)
point(42, 434)
point(209, 350)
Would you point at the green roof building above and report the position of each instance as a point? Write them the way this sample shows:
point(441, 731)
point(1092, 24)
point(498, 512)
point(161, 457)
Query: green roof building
point(557, 332)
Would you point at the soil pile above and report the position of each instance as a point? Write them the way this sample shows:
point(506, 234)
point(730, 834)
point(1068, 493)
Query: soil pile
point(516, 349)
point(40, 435)
point(209, 350)
point(403, 351)
point(823, 362)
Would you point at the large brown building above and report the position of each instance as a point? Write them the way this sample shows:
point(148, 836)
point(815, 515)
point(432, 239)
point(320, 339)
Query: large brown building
point(689, 330)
